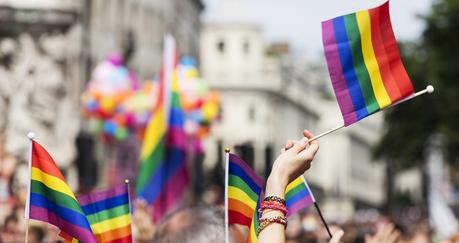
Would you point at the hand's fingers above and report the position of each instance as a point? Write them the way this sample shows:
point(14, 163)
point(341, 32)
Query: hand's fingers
point(308, 134)
point(300, 145)
point(387, 230)
point(337, 236)
point(289, 144)
point(309, 153)
point(393, 237)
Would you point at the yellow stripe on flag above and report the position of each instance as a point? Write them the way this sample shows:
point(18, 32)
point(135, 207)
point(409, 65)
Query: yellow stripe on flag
point(294, 183)
point(111, 224)
point(236, 193)
point(156, 128)
point(369, 57)
point(52, 182)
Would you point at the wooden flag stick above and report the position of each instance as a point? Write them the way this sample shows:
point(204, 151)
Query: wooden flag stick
point(31, 137)
point(323, 220)
point(429, 89)
point(227, 151)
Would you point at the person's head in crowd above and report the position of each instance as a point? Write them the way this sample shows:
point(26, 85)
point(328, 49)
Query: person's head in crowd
point(11, 223)
point(192, 225)
point(9, 232)
point(36, 234)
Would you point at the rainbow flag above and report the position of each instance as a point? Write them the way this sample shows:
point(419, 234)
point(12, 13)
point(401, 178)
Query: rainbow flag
point(245, 193)
point(298, 196)
point(51, 200)
point(244, 189)
point(163, 174)
point(364, 63)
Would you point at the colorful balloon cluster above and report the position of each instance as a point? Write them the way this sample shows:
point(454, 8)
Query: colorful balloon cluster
point(115, 103)
point(117, 106)
point(200, 104)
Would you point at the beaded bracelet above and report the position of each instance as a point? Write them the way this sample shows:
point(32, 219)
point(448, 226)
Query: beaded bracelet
point(274, 205)
point(274, 198)
point(267, 221)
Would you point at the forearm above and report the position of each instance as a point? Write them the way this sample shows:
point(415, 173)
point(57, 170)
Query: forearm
point(275, 186)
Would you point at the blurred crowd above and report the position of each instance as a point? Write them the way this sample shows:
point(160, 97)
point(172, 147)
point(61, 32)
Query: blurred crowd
point(367, 226)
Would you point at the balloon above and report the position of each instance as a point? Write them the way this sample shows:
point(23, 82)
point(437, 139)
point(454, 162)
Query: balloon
point(110, 127)
point(121, 133)
point(210, 110)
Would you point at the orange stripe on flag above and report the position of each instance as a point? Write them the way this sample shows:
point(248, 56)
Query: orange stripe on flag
point(114, 234)
point(238, 206)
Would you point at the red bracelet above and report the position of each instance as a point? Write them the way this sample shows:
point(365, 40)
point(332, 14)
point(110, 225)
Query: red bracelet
point(278, 207)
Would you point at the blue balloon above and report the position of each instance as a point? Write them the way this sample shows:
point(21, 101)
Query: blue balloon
point(110, 127)
point(92, 105)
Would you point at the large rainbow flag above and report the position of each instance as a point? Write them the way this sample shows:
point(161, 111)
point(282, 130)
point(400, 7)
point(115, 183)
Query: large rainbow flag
point(51, 200)
point(364, 63)
point(108, 213)
point(245, 192)
point(163, 175)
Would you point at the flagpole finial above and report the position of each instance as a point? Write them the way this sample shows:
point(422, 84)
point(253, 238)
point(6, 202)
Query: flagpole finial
point(126, 181)
point(31, 135)
point(430, 89)
point(227, 150)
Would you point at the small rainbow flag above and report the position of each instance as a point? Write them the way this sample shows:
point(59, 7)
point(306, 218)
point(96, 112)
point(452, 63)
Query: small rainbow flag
point(163, 175)
point(108, 212)
point(51, 200)
point(364, 63)
point(244, 189)
point(298, 196)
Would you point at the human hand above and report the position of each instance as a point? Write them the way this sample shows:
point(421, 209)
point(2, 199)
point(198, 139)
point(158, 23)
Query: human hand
point(385, 234)
point(294, 160)
point(142, 223)
point(336, 237)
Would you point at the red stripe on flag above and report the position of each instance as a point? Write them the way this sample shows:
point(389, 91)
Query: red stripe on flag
point(390, 44)
point(381, 56)
point(42, 160)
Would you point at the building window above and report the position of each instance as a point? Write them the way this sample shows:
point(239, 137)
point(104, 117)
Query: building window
point(251, 113)
point(221, 46)
point(246, 47)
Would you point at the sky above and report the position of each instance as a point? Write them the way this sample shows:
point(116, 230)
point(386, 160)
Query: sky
point(298, 21)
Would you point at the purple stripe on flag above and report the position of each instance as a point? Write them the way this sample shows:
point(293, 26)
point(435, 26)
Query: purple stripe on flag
point(336, 73)
point(235, 159)
point(101, 195)
point(173, 191)
point(176, 137)
point(54, 219)
point(301, 204)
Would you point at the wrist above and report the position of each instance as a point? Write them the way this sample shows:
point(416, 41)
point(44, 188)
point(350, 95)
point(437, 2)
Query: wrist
point(275, 185)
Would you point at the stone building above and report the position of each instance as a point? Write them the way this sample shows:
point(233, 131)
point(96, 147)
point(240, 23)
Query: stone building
point(48, 49)
point(269, 95)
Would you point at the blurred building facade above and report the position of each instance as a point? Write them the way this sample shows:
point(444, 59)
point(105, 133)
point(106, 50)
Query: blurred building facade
point(48, 49)
point(268, 96)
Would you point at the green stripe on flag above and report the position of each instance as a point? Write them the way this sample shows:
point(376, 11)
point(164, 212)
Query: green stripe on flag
point(108, 214)
point(57, 197)
point(353, 34)
point(239, 183)
point(149, 165)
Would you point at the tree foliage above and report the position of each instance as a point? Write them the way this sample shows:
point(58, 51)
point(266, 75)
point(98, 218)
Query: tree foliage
point(434, 60)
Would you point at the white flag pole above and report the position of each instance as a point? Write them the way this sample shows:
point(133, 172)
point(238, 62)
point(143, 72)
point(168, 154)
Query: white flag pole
point(227, 151)
point(429, 89)
point(31, 137)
